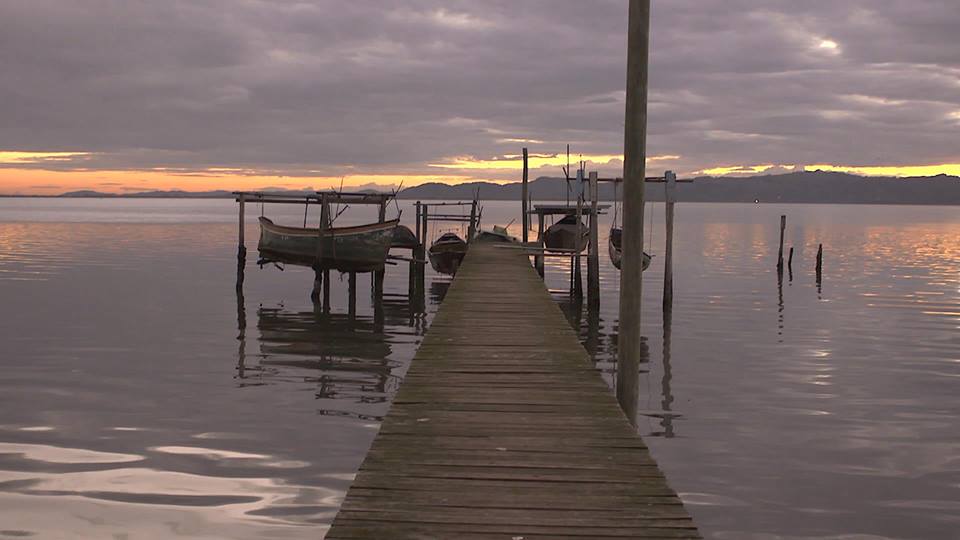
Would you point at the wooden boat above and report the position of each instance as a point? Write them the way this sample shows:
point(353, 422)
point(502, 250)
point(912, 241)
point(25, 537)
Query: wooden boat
point(498, 234)
point(403, 237)
point(562, 235)
point(362, 248)
point(615, 248)
point(446, 253)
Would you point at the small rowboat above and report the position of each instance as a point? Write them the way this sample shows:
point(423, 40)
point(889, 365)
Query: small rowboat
point(362, 248)
point(615, 248)
point(562, 235)
point(446, 253)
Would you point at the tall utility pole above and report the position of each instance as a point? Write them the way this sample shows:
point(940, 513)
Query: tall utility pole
point(634, 173)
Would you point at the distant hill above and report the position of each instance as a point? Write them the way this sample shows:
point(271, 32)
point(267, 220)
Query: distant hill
point(798, 187)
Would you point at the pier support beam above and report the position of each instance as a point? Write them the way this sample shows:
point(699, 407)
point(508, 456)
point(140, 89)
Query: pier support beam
point(670, 197)
point(634, 175)
point(538, 259)
point(318, 273)
point(241, 247)
point(352, 295)
point(577, 288)
point(593, 256)
point(525, 199)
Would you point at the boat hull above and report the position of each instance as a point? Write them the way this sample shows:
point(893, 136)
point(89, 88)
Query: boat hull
point(563, 237)
point(446, 255)
point(347, 249)
point(614, 249)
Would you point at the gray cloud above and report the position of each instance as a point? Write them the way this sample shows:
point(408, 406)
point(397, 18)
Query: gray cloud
point(372, 86)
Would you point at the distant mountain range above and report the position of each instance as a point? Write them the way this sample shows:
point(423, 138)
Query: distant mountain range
point(798, 187)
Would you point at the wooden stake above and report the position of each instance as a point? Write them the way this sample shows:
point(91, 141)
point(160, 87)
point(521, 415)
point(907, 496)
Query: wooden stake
point(241, 247)
point(577, 282)
point(819, 263)
point(783, 227)
point(634, 172)
point(538, 259)
point(352, 294)
point(670, 197)
point(318, 274)
point(524, 196)
point(593, 256)
point(472, 229)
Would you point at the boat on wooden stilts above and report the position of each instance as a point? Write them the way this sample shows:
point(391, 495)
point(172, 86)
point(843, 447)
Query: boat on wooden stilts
point(361, 248)
point(562, 235)
point(446, 253)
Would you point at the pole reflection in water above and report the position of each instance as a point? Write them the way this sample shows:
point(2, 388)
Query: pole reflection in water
point(666, 420)
point(628, 380)
point(780, 308)
point(242, 332)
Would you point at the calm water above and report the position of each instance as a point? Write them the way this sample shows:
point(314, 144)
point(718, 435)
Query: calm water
point(140, 398)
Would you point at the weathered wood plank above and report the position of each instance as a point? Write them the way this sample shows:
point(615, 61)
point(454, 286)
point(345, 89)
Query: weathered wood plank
point(503, 429)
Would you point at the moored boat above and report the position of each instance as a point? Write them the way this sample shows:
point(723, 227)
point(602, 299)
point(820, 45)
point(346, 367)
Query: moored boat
point(498, 234)
point(562, 235)
point(615, 249)
point(403, 237)
point(362, 248)
point(446, 253)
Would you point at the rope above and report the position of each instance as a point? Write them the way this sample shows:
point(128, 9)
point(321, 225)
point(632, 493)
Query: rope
point(650, 241)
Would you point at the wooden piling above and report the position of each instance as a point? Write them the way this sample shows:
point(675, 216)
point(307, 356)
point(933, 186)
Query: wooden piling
point(472, 229)
point(379, 274)
point(241, 245)
point(819, 263)
point(318, 274)
point(593, 256)
point(634, 171)
point(577, 288)
point(352, 294)
point(670, 185)
point(538, 259)
point(783, 227)
point(525, 198)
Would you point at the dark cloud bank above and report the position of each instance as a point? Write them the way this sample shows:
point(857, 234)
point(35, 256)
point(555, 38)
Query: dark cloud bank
point(378, 86)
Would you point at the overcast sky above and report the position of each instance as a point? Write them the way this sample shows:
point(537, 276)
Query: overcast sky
point(223, 92)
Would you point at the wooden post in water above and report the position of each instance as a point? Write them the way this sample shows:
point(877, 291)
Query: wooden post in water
point(783, 227)
point(524, 196)
point(352, 294)
point(318, 273)
point(669, 198)
point(634, 174)
point(241, 246)
point(472, 229)
point(538, 259)
point(577, 288)
point(790, 264)
point(377, 278)
point(593, 257)
point(819, 263)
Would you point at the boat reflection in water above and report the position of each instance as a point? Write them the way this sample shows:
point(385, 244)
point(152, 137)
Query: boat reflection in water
point(352, 359)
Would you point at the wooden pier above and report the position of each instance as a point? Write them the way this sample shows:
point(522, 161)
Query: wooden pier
point(503, 429)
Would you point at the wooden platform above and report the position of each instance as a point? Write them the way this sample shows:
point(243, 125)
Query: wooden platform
point(502, 429)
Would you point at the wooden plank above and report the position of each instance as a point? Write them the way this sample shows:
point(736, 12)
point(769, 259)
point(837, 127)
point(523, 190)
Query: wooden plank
point(502, 428)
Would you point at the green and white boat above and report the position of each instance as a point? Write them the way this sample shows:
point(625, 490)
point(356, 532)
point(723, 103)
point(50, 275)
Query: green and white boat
point(362, 248)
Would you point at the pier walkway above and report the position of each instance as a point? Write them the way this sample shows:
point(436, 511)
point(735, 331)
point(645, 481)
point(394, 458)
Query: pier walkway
point(503, 429)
